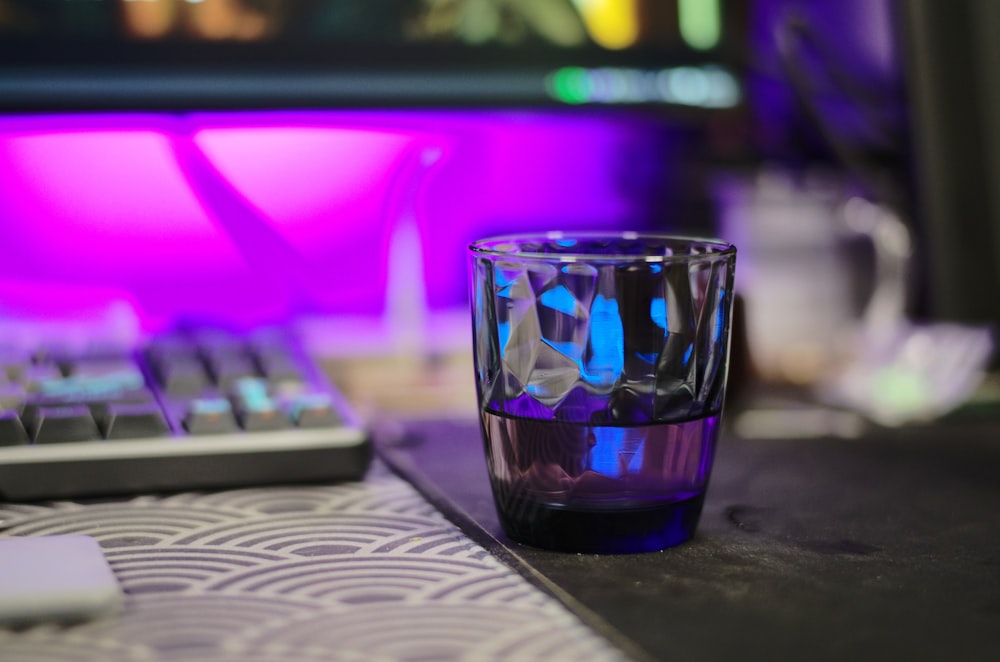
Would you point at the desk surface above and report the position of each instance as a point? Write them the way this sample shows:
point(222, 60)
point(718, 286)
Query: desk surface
point(885, 547)
point(882, 547)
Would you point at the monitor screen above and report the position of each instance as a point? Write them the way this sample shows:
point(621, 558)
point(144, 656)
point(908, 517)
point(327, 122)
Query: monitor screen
point(100, 54)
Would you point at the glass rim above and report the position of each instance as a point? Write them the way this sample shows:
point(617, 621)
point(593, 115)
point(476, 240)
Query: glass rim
point(487, 247)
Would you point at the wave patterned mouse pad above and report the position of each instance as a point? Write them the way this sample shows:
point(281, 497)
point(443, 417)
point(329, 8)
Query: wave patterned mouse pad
point(358, 571)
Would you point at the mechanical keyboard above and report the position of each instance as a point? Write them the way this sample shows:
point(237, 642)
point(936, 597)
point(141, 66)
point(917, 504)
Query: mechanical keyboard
point(188, 409)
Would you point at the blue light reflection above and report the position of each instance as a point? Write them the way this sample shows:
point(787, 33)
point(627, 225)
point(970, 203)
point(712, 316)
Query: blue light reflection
point(561, 299)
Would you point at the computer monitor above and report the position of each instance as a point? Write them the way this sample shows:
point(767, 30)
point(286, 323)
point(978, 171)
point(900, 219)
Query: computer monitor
point(249, 161)
point(184, 54)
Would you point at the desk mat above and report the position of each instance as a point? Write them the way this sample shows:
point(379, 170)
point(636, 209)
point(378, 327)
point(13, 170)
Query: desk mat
point(881, 547)
point(357, 571)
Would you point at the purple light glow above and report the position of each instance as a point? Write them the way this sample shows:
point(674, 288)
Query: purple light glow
point(252, 217)
point(529, 172)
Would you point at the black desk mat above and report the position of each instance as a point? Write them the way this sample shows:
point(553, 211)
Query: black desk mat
point(885, 547)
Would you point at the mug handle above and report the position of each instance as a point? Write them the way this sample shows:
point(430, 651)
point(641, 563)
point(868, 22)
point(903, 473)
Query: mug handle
point(885, 312)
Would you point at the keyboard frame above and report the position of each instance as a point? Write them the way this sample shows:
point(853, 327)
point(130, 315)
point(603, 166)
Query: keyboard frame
point(180, 461)
point(168, 464)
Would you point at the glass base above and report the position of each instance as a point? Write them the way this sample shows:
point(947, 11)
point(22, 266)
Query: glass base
point(605, 531)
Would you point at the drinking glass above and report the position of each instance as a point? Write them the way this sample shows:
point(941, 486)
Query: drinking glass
point(600, 363)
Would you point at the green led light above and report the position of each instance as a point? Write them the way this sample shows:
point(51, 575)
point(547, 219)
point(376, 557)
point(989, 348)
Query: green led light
point(700, 23)
point(570, 85)
point(703, 87)
point(900, 390)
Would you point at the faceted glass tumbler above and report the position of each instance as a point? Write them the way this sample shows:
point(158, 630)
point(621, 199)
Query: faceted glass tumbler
point(601, 365)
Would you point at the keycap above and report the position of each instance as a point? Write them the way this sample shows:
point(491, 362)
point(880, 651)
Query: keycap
point(95, 349)
point(124, 420)
point(120, 367)
point(255, 409)
point(47, 354)
point(13, 362)
point(227, 368)
point(169, 348)
point(37, 377)
point(12, 396)
point(277, 367)
point(210, 416)
point(90, 387)
point(270, 338)
point(214, 342)
point(261, 414)
point(61, 423)
point(97, 401)
point(313, 410)
point(250, 387)
point(12, 432)
point(183, 375)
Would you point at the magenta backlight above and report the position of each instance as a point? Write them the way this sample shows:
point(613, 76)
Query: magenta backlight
point(251, 217)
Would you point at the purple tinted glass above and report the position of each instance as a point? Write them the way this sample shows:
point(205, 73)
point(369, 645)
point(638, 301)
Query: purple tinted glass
point(601, 363)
